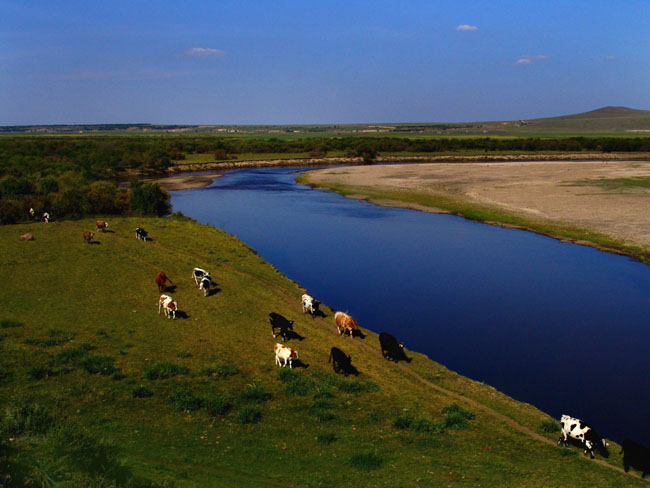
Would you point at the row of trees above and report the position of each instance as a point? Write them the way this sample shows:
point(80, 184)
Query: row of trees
point(101, 157)
point(71, 195)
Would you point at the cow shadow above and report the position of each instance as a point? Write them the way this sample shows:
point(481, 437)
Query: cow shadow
point(291, 334)
point(297, 363)
point(169, 289)
point(347, 370)
point(94, 242)
point(107, 231)
point(182, 315)
point(357, 333)
point(214, 289)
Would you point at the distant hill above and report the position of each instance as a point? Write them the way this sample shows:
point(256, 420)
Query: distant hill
point(606, 120)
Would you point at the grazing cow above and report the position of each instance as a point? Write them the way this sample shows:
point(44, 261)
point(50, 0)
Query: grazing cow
point(88, 236)
point(286, 354)
point(140, 234)
point(205, 284)
point(309, 304)
point(27, 237)
point(341, 362)
point(580, 431)
point(46, 217)
point(101, 225)
point(635, 455)
point(198, 274)
point(168, 305)
point(391, 349)
point(161, 280)
point(281, 324)
point(345, 323)
point(32, 214)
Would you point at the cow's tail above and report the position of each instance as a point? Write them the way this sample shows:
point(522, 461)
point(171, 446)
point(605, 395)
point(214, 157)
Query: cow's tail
point(330, 358)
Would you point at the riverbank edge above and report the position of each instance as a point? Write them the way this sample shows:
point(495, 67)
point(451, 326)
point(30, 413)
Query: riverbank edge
point(448, 203)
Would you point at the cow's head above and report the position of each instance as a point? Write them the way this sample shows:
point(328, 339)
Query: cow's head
point(294, 354)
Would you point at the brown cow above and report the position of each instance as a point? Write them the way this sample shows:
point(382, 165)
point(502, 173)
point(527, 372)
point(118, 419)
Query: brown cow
point(101, 225)
point(161, 280)
point(345, 322)
point(88, 236)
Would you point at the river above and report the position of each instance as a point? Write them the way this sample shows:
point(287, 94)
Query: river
point(560, 326)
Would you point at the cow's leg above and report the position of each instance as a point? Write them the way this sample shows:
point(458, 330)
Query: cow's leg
point(277, 360)
point(290, 363)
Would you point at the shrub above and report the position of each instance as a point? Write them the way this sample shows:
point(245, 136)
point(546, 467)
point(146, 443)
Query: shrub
point(456, 417)
point(356, 387)
point(300, 386)
point(366, 461)
point(549, 426)
point(185, 400)
point(73, 354)
point(286, 374)
point(218, 370)
point(403, 422)
point(97, 364)
point(216, 405)
point(25, 417)
point(255, 394)
point(7, 323)
point(326, 437)
point(427, 426)
point(141, 392)
point(161, 370)
point(148, 199)
point(249, 415)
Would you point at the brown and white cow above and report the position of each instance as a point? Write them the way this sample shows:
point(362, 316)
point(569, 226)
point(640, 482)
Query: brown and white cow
point(168, 305)
point(88, 236)
point(101, 225)
point(161, 280)
point(283, 353)
point(345, 323)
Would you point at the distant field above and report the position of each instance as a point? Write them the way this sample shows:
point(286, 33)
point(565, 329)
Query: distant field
point(96, 387)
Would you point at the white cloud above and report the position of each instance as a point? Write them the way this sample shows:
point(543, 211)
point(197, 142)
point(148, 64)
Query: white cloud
point(204, 51)
point(466, 27)
point(527, 59)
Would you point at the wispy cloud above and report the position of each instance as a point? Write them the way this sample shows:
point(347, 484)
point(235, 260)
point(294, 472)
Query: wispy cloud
point(610, 58)
point(466, 27)
point(527, 59)
point(204, 51)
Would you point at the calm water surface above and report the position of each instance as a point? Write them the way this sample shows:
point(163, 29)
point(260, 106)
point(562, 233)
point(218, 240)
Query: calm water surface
point(564, 327)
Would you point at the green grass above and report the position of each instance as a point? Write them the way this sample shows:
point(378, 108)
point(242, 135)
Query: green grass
point(226, 415)
point(615, 183)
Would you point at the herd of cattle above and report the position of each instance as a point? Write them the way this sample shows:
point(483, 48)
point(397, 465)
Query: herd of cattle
point(634, 454)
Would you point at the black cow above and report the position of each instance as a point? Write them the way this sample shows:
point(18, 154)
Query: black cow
point(391, 349)
point(635, 455)
point(341, 362)
point(140, 234)
point(281, 324)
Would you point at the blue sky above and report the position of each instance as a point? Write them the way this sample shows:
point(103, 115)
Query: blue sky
point(317, 61)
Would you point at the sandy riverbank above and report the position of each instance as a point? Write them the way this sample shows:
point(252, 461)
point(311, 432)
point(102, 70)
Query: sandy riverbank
point(185, 182)
point(573, 192)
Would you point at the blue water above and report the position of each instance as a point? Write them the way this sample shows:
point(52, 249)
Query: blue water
point(561, 326)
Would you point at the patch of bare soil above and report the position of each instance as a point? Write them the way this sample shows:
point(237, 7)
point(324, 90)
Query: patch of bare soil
point(565, 191)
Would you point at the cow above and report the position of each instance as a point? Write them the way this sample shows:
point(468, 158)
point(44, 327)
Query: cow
point(635, 455)
point(101, 225)
point(46, 217)
point(341, 362)
point(280, 323)
point(582, 432)
point(32, 214)
point(140, 234)
point(88, 236)
point(391, 349)
point(161, 280)
point(286, 354)
point(205, 284)
point(345, 323)
point(168, 305)
point(309, 305)
point(198, 274)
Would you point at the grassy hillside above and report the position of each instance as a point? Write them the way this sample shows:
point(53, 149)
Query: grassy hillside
point(97, 389)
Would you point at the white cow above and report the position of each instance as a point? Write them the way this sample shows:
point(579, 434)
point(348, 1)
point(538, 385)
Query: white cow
point(580, 431)
point(198, 274)
point(286, 354)
point(309, 304)
point(167, 303)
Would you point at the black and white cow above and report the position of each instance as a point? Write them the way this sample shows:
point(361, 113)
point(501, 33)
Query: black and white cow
point(391, 349)
point(198, 274)
point(205, 284)
point(140, 234)
point(282, 325)
point(582, 432)
point(635, 455)
point(309, 305)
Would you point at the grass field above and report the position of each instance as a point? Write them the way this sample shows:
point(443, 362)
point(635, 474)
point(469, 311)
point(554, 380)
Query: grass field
point(97, 389)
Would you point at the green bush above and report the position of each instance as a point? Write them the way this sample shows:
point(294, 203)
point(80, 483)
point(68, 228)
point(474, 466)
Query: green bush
point(356, 387)
point(97, 364)
point(185, 401)
point(366, 461)
point(456, 417)
point(216, 405)
point(300, 386)
point(25, 417)
point(162, 369)
point(148, 199)
point(74, 354)
point(255, 394)
point(549, 426)
point(249, 415)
